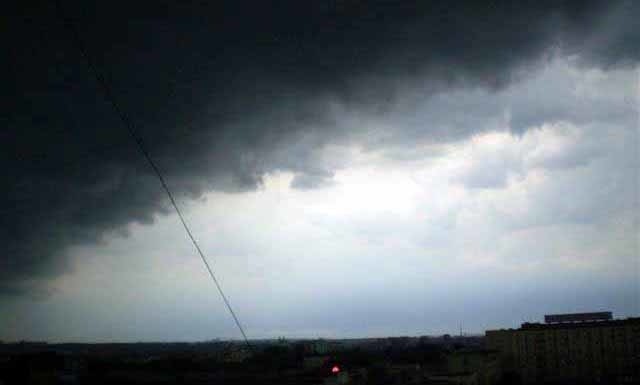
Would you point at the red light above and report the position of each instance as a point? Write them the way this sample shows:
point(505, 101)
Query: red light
point(335, 369)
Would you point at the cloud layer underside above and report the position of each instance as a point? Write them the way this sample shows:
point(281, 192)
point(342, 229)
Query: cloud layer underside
point(223, 94)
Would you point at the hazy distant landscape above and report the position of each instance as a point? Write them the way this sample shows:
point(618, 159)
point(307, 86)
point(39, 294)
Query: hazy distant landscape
point(376, 360)
point(579, 348)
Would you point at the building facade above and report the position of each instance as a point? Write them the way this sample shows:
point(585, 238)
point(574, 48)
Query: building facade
point(605, 351)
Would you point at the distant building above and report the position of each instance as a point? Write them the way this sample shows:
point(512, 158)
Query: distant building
point(466, 361)
point(319, 347)
point(572, 348)
point(322, 347)
point(314, 362)
point(578, 317)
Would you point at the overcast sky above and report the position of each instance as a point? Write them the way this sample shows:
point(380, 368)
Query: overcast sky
point(349, 168)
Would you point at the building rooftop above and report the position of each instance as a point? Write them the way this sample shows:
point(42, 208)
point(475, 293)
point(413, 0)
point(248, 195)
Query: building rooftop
point(578, 317)
point(573, 325)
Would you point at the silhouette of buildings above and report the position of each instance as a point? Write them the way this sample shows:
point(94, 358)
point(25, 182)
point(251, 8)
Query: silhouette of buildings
point(582, 348)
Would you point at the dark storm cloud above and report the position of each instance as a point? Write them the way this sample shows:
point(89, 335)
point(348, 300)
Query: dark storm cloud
point(226, 92)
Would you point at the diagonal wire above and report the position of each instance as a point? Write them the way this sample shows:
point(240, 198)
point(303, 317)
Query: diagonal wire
point(127, 122)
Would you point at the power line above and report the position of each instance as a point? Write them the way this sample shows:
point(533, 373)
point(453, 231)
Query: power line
point(140, 143)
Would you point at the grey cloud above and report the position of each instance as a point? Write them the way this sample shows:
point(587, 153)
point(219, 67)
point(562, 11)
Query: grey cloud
point(224, 93)
point(611, 35)
point(304, 181)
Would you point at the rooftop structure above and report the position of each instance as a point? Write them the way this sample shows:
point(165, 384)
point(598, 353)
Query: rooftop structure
point(578, 317)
